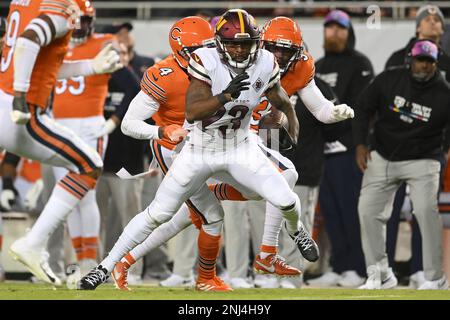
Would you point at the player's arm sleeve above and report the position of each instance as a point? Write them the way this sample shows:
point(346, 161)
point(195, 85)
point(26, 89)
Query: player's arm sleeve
point(365, 107)
point(75, 68)
point(316, 103)
point(197, 70)
point(39, 32)
point(141, 108)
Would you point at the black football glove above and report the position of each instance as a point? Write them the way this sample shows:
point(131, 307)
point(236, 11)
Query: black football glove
point(8, 195)
point(237, 85)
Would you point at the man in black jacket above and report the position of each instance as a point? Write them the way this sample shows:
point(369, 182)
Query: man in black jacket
point(348, 72)
point(412, 108)
point(429, 25)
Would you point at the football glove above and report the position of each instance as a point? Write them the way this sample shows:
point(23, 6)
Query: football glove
point(106, 61)
point(237, 85)
point(342, 112)
point(8, 194)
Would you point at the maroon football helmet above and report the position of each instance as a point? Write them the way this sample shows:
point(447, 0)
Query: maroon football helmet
point(236, 26)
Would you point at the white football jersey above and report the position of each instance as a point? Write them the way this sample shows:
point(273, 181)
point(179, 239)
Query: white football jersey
point(230, 124)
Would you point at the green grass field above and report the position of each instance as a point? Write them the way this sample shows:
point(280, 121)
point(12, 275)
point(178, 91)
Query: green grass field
point(27, 291)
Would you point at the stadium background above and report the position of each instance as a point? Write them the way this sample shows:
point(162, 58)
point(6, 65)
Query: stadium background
point(376, 38)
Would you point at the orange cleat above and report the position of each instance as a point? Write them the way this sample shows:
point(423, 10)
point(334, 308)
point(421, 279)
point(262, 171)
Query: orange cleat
point(119, 275)
point(214, 284)
point(274, 264)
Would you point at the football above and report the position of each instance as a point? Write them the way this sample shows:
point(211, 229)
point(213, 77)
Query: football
point(276, 120)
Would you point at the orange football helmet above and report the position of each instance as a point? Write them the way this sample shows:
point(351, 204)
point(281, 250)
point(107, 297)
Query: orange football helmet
point(283, 38)
point(187, 35)
point(85, 25)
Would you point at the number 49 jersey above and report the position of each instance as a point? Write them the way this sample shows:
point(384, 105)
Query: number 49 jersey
point(50, 57)
point(232, 121)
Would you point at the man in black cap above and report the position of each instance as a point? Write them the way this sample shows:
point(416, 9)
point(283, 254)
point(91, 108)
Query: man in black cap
point(429, 25)
point(138, 63)
point(348, 72)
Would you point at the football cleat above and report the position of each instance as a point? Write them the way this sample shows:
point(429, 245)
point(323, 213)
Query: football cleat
point(36, 261)
point(307, 246)
point(93, 279)
point(214, 284)
point(274, 264)
point(120, 275)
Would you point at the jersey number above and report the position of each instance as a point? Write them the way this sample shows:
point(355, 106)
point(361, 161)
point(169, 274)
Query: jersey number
point(75, 90)
point(238, 112)
point(165, 71)
point(10, 39)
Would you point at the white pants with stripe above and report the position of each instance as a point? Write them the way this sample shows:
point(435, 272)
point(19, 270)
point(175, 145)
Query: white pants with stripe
point(44, 140)
point(246, 164)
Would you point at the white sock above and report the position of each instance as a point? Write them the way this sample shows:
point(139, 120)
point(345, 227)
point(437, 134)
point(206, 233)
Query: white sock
point(74, 223)
point(163, 233)
point(272, 226)
point(55, 212)
point(136, 231)
point(292, 217)
point(90, 215)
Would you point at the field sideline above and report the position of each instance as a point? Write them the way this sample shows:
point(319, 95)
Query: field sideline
point(28, 291)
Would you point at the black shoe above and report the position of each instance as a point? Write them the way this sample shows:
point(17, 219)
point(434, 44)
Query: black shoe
point(307, 246)
point(93, 279)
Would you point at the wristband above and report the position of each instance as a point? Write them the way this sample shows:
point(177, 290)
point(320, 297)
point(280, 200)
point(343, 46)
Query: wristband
point(222, 99)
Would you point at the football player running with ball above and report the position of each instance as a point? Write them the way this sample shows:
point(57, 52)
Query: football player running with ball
point(220, 143)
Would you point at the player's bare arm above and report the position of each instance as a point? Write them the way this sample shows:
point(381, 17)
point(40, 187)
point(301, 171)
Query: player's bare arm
point(200, 102)
point(280, 100)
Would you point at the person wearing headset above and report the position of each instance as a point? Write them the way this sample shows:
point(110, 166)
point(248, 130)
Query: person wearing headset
point(412, 108)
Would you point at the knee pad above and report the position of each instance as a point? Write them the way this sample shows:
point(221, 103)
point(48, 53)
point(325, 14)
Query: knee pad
point(291, 177)
point(156, 215)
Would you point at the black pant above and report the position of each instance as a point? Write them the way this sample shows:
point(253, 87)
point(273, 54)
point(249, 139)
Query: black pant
point(338, 198)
